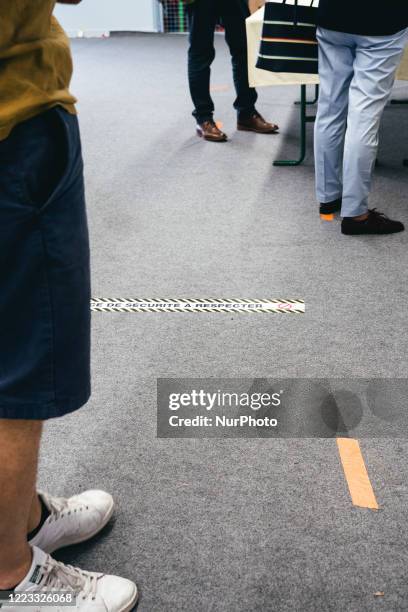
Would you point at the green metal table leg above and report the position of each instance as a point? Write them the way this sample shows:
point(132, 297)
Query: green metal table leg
point(304, 119)
point(181, 16)
point(315, 99)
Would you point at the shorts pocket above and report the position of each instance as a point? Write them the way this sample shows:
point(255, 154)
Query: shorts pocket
point(46, 158)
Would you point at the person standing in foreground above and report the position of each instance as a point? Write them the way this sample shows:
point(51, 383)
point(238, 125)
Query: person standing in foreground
point(360, 47)
point(203, 16)
point(44, 312)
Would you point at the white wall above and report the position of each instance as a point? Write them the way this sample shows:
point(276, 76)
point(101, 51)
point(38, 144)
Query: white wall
point(96, 17)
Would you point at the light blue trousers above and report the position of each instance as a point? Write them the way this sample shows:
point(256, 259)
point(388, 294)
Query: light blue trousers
point(356, 78)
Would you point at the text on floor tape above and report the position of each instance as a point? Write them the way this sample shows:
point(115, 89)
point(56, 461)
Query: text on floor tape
point(289, 306)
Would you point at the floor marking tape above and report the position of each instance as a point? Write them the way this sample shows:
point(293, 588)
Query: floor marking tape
point(355, 471)
point(229, 305)
point(219, 87)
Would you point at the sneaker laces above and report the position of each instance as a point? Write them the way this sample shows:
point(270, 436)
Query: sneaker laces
point(377, 213)
point(61, 506)
point(58, 576)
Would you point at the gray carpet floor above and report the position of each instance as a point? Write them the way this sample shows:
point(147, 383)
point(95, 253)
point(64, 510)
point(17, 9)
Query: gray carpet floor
point(229, 525)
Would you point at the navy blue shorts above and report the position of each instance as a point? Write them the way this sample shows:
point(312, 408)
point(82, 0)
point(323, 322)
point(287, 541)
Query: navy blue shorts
point(44, 270)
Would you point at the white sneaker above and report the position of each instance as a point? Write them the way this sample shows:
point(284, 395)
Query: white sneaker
point(73, 520)
point(91, 592)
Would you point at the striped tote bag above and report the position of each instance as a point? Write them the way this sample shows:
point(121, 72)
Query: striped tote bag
point(288, 42)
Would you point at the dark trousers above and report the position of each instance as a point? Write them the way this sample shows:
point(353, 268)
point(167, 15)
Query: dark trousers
point(203, 16)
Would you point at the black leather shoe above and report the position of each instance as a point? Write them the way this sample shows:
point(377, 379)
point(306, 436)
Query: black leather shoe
point(376, 223)
point(330, 207)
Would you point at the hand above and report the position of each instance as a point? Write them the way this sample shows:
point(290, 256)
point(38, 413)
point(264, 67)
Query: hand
point(254, 5)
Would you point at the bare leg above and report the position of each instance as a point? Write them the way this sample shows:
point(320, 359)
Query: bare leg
point(19, 448)
point(35, 514)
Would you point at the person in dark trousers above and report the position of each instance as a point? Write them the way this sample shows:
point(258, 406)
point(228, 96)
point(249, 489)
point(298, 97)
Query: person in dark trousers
point(360, 47)
point(44, 317)
point(203, 16)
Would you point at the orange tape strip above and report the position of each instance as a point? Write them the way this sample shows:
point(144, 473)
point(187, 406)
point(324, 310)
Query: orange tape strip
point(329, 217)
point(355, 471)
point(290, 40)
point(219, 87)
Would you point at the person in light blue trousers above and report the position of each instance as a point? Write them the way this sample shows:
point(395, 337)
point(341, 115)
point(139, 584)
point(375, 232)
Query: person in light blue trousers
point(357, 73)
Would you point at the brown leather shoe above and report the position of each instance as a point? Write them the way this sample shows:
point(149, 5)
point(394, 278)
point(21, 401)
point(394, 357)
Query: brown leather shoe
point(256, 123)
point(209, 131)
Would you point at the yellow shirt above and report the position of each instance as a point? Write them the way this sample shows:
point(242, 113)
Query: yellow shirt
point(35, 62)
